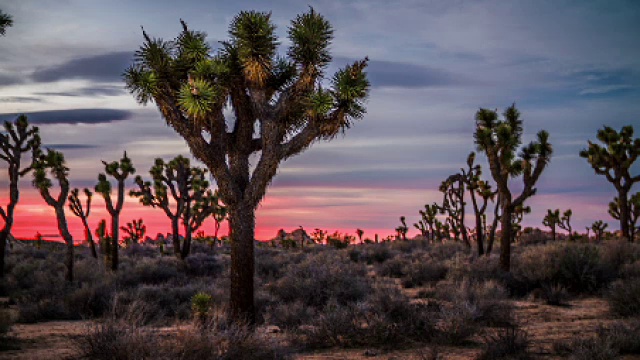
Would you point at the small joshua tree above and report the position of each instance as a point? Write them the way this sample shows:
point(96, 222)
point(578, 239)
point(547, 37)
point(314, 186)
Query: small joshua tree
point(76, 208)
point(53, 164)
point(480, 192)
point(500, 140)
point(134, 231)
point(402, 230)
point(318, 235)
point(453, 204)
point(598, 228)
point(634, 212)
point(179, 185)
point(120, 171)
point(201, 304)
point(551, 220)
point(614, 160)
point(104, 240)
point(427, 224)
point(360, 232)
point(19, 138)
point(565, 223)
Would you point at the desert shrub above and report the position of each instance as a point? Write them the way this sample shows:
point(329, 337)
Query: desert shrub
point(418, 273)
point(448, 250)
point(580, 270)
point(202, 264)
point(457, 322)
point(624, 297)
point(618, 254)
point(141, 251)
point(320, 277)
point(554, 294)
point(89, 300)
point(171, 301)
point(289, 315)
point(272, 263)
point(334, 325)
point(625, 337)
point(474, 269)
point(608, 343)
point(6, 322)
point(507, 343)
point(485, 302)
point(393, 267)
point(631, 270)
point(116, 340)
point(148, 271)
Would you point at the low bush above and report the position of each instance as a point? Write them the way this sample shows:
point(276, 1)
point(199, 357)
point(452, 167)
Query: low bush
point(624, 297)
point(507, 343)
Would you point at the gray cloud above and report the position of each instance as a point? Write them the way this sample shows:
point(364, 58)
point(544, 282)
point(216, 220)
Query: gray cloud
point(397, 74)
point(89, 91)
point(6, 80)
point(105, 67)
point(73, 116)
point(20, 99)
point(70, 146)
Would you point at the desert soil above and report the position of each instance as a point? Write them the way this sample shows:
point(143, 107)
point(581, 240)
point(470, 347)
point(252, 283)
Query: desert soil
point(545, 325)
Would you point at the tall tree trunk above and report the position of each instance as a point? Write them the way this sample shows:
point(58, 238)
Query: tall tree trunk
point(89, 237)
point(479, 235)
point(175, 229)
point(186, 244)
point(506, 237)
point(553, 233)
point(68, 239)
point(242, 224)
point(494, 226)
point(624, 214)
point(115, 228)
point(4, 235)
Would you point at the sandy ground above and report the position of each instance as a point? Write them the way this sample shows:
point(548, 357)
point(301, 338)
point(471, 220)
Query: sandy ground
point(545, 324)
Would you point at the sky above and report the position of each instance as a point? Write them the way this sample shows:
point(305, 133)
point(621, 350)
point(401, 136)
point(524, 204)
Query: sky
point(570, 66)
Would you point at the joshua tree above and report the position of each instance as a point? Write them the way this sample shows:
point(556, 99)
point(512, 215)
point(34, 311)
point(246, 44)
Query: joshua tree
point(634, 212)
point(76, 208)
point(426, 225)
point(17, 139)
point(551, 220)
point(208, 205)
point(598, 228)
point(478, 188)
point(53, 164)
point(402, 230)
point(453, 204)
point(104, 240)
point(565, 223)
point(134, 231)
point(318, 235)
point(279, 105)
point(614, 160)
point(5, 21)
point(360, 232)
point(119, 170)
point(186, 186)
point(499, 140)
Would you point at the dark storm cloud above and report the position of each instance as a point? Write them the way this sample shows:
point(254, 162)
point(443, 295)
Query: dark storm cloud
point(74, 116)
point(6, 80)
point(104, 67)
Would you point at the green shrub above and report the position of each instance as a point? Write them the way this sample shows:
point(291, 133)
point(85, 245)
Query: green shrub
point(624, 297)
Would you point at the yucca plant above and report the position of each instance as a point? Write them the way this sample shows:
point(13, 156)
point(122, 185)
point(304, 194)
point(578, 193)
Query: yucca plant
point(552, 220)
point(17, 140)
point(614, 159)
point(52, 164)
point(500, 140)
point(120, 171)
point(201, 308)
point(279, 107)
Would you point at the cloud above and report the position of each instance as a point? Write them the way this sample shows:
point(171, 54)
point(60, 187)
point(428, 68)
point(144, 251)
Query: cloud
point(7, 79)
point(70, 146)
point(20, 99)
point(397, 74)
point(89, 91)
point(104, 67)
point(73, 116)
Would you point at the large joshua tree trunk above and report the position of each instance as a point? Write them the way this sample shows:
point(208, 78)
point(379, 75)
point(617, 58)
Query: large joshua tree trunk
point(623, 194)
point(242, 224)
point(63, 228)
point(505, 238)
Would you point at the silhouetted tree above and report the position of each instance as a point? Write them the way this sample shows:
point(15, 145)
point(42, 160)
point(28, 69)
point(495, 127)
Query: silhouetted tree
point(279, 107)
point(53, 164)
point(178, 184)
point(5, 21)
point(360, 232)
point(17, 139)
point(499, 140)
point(614, 160)
point(76, 208)
point(427, 224)
point(598, 228)
point(478, 188)
point(120, 171)
point(205, 205)
point(634, 212)
point(401, 231)
point(453, 204)
point(551, 220)
point(134, 231)
point(565, 223)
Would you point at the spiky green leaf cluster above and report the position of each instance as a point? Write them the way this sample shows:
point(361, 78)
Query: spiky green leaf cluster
point(50, 164)
point(310, 35)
